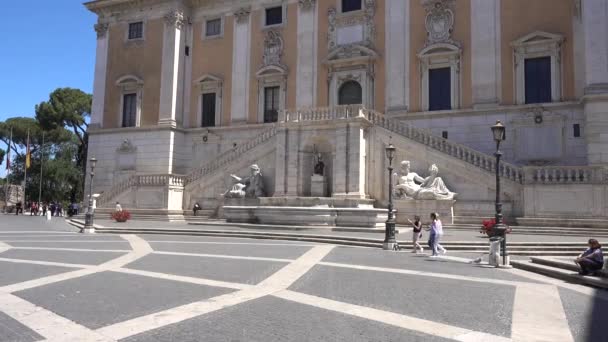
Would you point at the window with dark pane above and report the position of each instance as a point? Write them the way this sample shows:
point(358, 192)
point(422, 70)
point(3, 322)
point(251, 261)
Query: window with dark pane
point(274, 15)
point(136, 30)
point(351, 5)
point(577, 130)
point(350, 93)
point(440, 94)
point(213, 27)
point(271, 104)
point(208, 110)
point(444, 134)
point(129, 110)
point(538, 79)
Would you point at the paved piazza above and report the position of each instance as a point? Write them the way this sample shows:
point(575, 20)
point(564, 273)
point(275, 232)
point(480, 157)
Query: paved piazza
point(59, 285)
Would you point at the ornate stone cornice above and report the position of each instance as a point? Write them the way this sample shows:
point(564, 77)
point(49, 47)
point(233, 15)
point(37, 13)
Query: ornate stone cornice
point(242, 15)
point(307, 4)
point(101, 29)
point(175, 18)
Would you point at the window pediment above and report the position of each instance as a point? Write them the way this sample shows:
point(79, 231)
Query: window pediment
point(129, 80)
point(537, 37)
point(271, 70)
point(350, 52)
point(439, 49)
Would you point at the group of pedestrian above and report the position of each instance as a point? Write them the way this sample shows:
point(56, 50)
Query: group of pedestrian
point(435, 229)
point(40, 209)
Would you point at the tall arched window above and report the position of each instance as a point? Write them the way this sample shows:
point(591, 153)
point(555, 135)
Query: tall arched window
point(350, 93)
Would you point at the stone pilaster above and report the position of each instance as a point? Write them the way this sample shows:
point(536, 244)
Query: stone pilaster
point(485, 52)
point(306, 69)
point(340, 163)
point(595, 26)
point(240, 66)
point(99, 83)
point(280, 177)
point(170, 68)
point(356, 161)
point(397, 55)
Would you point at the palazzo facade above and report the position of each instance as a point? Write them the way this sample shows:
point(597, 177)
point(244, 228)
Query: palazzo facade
point(187, 91)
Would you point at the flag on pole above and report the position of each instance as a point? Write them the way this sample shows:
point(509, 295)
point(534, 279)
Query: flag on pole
point(28, 157)
point(8, 152)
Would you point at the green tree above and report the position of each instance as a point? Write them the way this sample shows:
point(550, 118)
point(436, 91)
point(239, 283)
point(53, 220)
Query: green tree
point(67, 107)
point(2, 152)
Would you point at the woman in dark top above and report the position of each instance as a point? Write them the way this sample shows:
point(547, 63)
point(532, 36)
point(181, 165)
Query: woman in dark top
point(592, 259)
point(417, 233)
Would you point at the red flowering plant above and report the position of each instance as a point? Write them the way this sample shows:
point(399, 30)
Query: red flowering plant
point(487, 225)
point(121, 216)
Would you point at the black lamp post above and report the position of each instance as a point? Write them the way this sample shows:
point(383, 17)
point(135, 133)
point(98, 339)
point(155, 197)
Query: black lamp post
point(88, 219)
point(498, 131)
point(389, 238)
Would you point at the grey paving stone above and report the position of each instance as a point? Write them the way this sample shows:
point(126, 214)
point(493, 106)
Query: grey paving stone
point(12, 273)
point(12, 222)
point(52, 237)
point(13, 331)
point(71, 257)
point(271, 319)
point(106, 298)
point(231, 270)
point(281, 252)
point(477, 306)
point(75, 244)
point(411, 261)
point(587, 316)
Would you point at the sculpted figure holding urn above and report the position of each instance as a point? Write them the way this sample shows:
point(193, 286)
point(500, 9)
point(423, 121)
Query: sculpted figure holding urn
point(410, 185)
point(247, 187)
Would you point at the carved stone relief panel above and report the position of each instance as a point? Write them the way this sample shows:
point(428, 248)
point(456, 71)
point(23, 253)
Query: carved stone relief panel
point(352, 28)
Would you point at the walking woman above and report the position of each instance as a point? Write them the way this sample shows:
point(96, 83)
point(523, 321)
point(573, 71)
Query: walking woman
point(591, 260)
point(436, 229)
point(417, 233)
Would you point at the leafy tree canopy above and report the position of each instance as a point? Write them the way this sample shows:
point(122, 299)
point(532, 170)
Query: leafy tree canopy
point(20, 127)
point(66, 107)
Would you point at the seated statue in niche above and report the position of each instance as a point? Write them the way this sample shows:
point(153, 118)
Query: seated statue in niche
point(247, 187)
point(410, 185)
point(319, 165)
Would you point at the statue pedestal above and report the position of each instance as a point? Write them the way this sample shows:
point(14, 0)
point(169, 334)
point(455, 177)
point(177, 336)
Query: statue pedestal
point(317, 186)
point(407, 209)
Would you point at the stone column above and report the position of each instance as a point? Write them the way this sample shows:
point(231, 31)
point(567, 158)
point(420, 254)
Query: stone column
point(99, 83)
point(292, 162)
point(240, 66)
point(306, 69)
point(340, 163)
point(397, 55)
point(170, 68)
point(357, 150)
point(280, 177)
point(595, 26)
point(485, 52)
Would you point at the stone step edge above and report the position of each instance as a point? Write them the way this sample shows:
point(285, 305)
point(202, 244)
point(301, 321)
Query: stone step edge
point(567, 265)
point(560, 274)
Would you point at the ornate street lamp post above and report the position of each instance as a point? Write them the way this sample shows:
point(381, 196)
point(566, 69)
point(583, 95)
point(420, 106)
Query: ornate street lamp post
point(498, 131)
point(389, 239)
point(88, 219)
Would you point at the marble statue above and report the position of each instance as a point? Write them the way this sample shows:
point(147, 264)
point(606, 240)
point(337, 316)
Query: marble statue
point(247, 187)
point(409, 185)
point(319, 165)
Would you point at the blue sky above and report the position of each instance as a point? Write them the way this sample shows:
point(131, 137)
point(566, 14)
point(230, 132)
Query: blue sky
point(44, 44)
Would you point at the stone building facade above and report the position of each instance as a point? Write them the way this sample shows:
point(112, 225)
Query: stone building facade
point(187, 91)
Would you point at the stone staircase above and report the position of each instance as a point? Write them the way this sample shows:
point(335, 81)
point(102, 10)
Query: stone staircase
point(562, 268)
point(218, 163)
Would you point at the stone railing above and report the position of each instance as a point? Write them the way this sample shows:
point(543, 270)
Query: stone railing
point(565, 175)
point(139, 180)
point(223, 159)
point(321, 113)
point(466, 154)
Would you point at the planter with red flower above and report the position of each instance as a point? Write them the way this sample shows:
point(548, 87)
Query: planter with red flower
point(487, 226)
point(121, 216)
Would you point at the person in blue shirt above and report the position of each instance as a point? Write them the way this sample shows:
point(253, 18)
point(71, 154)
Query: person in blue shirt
point(591, 260)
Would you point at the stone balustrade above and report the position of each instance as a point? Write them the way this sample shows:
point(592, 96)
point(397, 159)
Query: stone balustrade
point(225, 158)
point(466, 154)
point(322, 113)
point(565, 175)
point(142, 181)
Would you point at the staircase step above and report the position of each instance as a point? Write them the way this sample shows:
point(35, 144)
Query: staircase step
point(560, 273)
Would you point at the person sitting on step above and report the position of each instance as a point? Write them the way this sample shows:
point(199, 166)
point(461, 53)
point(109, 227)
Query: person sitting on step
point(591, 260)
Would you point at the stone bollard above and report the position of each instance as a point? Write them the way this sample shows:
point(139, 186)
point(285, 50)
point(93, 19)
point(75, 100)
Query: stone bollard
point(494, 255)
